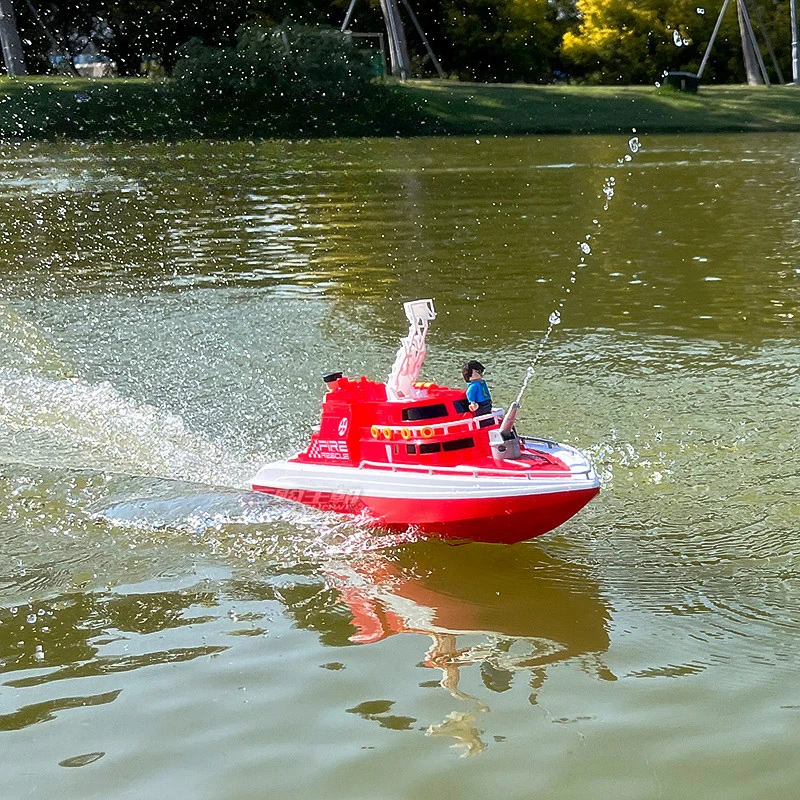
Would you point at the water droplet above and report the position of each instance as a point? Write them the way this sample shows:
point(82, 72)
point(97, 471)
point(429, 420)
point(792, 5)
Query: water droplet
point(677, 38)
point(31, 619)
point(585, 247)
point(81, 760)
point(634, 144)
point(555, 318)
point(700, 11)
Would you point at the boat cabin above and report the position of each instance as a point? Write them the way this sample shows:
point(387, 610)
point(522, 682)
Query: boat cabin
point(360, 424)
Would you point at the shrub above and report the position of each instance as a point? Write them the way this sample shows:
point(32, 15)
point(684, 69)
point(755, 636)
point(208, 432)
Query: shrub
point(289, 80)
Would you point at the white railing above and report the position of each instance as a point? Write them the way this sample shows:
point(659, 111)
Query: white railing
point(524, 473)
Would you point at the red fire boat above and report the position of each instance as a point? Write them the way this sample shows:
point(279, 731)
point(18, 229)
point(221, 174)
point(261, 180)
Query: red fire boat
point(406, 454)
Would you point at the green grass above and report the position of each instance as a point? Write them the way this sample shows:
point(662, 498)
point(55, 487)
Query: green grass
point(137, 108)
point(462, 108)
point(51, 106)
point(46, 107)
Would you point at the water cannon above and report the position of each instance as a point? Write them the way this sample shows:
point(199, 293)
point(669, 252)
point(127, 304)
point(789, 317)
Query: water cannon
point(507, 426)
point(409, 358)
point(504, 441)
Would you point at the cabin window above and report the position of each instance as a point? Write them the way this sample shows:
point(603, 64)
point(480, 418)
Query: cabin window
point(411, 449)
point(485, 423)
point(415, 413)
point(461, 406)
point(430, 447)
point(458, 444)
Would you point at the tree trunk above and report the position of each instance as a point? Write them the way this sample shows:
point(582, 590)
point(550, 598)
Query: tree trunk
point(9, 38)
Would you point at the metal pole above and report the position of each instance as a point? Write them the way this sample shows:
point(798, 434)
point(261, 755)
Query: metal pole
point(795, 44)
point(754, 42)
point(424, 38)
point(713, 37)
point(398, 52)
point(755, 76)
point(9, 39)
point(768, 42)
point(388, 19)
point(400, 34)
point(348, 16)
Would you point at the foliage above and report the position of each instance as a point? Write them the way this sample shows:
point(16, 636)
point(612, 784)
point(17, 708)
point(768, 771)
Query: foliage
point(617, 41)
point(597, 41)
point(291, 79)
point(504, 40)
point(128, 30)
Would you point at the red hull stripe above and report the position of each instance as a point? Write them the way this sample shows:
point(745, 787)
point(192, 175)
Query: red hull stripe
point(488, 519)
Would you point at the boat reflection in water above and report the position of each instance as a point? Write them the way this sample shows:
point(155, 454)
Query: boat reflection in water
point(508, 611)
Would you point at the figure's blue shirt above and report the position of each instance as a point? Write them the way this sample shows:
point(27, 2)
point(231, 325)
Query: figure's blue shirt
point(478, 392)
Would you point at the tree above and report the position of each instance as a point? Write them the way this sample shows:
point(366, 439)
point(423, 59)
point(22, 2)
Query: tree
point(503, 40)
point(620, 42)
point(290, 80)
point(126, 30)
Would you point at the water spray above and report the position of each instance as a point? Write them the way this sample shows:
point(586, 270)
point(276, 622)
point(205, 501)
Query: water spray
point(609, 187)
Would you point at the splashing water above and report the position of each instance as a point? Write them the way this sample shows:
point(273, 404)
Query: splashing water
point(93, 425)
point(608, 190)
point(23, 346)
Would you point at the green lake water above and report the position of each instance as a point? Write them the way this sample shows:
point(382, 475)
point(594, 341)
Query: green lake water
point(166, 311)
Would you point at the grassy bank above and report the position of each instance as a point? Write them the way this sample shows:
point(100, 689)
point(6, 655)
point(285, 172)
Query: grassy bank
point(46, 107)
point(49, 107)
point(518, 109)
point(462, 108)
point(136, 108)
